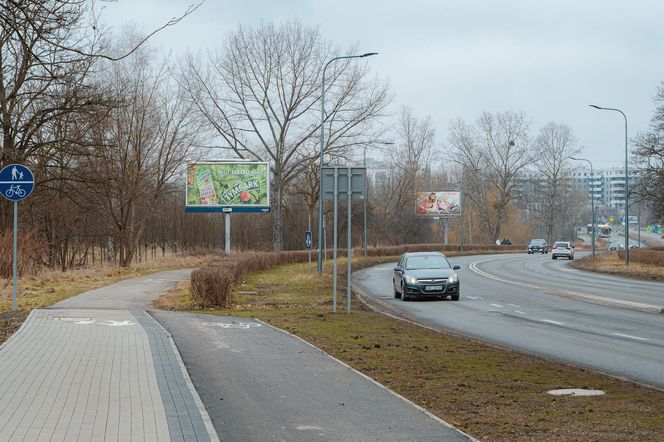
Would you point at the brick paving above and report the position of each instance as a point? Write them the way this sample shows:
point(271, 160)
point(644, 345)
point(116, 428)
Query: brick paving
point(94, 375)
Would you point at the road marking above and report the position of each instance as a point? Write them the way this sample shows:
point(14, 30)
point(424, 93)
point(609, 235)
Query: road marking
point(552, 322)
point(117, 323)
point(497, 305)
point(575, 295)
point(386, 297)
point(473, 297)
point(242, 325)
point(519, 312)
point(514, 305)
point(631, 337)
point(473, 267)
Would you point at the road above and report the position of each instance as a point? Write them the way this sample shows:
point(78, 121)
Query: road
point(544, 307)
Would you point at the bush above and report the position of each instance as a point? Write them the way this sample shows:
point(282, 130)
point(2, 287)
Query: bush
point(211, 285)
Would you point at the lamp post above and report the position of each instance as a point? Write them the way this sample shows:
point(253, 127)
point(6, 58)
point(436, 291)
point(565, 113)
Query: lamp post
point(626, 180)
point(322, 145)
point(592, 202)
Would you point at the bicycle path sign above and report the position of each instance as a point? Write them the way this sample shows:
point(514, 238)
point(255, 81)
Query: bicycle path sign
point(16, 182)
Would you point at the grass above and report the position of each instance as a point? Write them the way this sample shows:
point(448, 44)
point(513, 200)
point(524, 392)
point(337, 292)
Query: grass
point(610, 263)
point(489, 392)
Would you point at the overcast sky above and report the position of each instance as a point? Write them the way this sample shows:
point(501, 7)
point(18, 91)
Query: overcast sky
point(450, 59)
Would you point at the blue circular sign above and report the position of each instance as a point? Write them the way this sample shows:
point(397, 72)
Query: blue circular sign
point(16, 182)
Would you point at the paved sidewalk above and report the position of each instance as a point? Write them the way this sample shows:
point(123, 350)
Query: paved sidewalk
point(94, 373)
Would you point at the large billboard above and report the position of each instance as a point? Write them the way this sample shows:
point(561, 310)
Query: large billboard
point(228, 186)
point(446, 203)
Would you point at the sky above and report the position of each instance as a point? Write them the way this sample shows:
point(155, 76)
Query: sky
point(456, 59)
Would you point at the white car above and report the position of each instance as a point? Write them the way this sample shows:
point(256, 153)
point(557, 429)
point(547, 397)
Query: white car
point(562, 249)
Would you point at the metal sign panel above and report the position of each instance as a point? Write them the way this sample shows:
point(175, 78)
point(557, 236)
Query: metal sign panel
point(307, 239)
point(228, 186)
point(438, 204)
point(357, 183)
point(16, 182)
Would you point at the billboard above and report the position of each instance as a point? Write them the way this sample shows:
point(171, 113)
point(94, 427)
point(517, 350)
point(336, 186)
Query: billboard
point(228, 186)
point(446, 203)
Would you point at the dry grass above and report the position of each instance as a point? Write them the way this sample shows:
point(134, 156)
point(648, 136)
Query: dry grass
point(491, 393)
point(48, 287)
point(613, 264)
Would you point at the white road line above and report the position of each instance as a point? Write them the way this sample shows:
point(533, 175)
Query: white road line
point(519, 312)
point(631, 337)
point(473, 267)
point(552, 322)
point(497, 305)
point(514, 305)
point(473, 297)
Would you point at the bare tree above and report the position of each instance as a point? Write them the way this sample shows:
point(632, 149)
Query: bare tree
point(553, 203)
point(260, 95)
point(410, 169)
point(493, 150)
point(141, 143)
point(649, 156)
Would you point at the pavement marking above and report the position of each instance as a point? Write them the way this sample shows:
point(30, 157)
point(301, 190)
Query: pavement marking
point(241, 325)
point(473, 297)
point(519, 312)
point(497, 305)
point(117, 323)
point(631, 337)
point(514, 305)
point(473, 267)
point(594, 299)
point(552, 322)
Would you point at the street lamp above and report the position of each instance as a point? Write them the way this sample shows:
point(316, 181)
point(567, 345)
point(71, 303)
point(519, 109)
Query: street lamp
point(366, 191)
point(592, 202)
point(322, 145)
point(626, 180)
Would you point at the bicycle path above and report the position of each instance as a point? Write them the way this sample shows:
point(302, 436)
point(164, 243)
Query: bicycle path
point(101, 366)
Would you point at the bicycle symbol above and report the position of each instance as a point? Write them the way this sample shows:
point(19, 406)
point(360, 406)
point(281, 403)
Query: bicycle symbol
point(15, 190)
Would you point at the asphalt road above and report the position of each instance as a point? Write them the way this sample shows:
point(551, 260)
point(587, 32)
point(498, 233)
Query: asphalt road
point(261, 384)
point(543, 307)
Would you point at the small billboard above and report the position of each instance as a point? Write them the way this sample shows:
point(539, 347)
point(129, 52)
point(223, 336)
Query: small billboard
point(437, 204)
point(228, 186)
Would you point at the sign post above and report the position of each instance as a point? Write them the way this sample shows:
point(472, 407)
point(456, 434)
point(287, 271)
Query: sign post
point(16, 184)
point(342, 183)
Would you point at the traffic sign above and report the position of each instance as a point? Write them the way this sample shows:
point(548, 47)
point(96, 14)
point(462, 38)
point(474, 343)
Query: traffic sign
point(307, 239)
point(16, 182)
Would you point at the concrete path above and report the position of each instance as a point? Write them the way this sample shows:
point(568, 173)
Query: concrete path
point(92, 373)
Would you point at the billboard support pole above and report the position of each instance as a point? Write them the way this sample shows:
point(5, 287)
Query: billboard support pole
point(349, 196)
point(334, 247)
point(446, 226)
point(227, 236)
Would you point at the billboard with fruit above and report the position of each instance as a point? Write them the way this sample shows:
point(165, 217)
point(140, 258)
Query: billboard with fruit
point(228, 186)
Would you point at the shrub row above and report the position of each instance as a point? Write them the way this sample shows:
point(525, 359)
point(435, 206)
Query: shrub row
point(653, 256)
point(211, 285)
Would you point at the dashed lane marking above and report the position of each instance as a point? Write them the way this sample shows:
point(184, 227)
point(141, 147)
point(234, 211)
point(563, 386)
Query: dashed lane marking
point(638, 338)
point(552, 322)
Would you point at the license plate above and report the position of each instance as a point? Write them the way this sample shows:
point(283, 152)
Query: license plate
point(434, 287)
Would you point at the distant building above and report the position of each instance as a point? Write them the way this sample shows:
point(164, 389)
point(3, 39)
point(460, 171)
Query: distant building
point(607, 186)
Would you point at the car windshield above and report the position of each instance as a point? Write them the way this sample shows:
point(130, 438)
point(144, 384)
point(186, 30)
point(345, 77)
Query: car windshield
point(536, 242)
point(427, 262)
point(562, 244)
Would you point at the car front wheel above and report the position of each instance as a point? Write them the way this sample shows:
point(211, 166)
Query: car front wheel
point(404, 297)
point(553, 257)
point(396, 292)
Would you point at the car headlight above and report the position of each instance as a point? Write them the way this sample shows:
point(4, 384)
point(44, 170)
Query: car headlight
point(453, 278)
point(411, 280)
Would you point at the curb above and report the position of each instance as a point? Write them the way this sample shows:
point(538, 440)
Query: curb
point(209, 427)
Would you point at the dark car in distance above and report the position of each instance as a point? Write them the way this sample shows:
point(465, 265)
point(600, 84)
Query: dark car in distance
point(425, 274)
point(538, 246)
